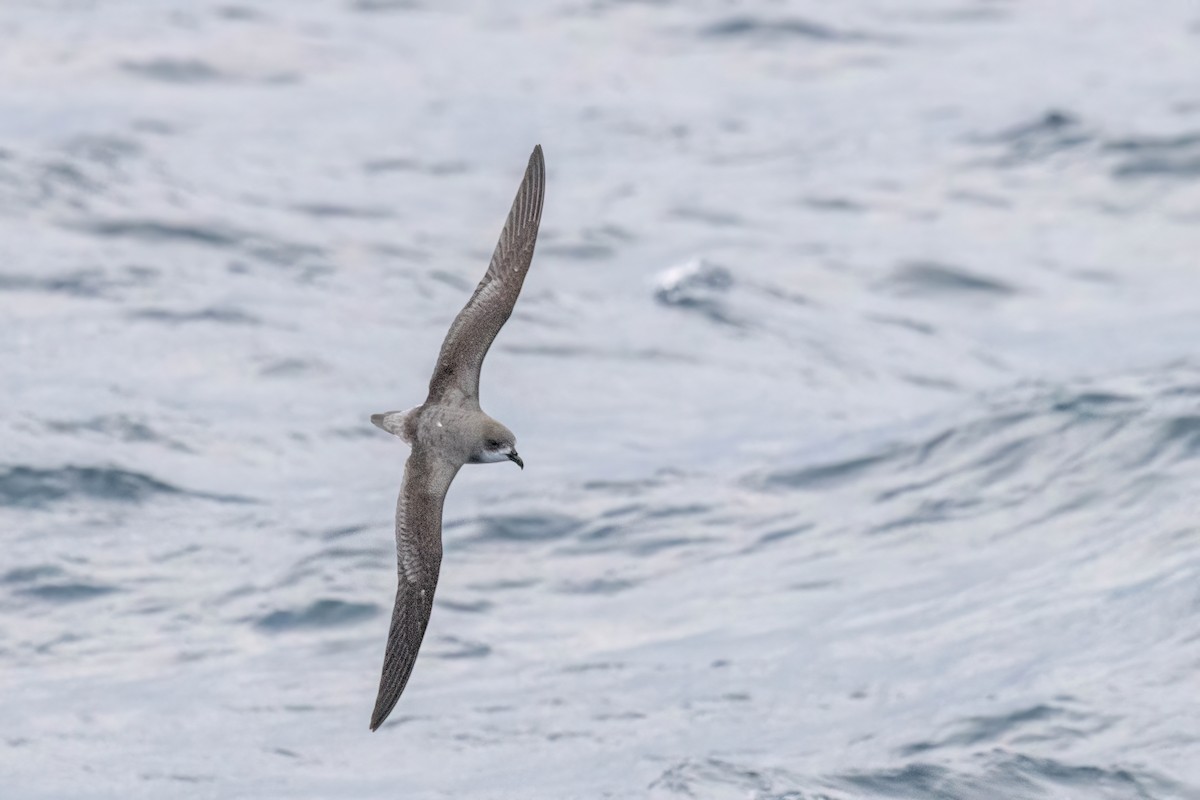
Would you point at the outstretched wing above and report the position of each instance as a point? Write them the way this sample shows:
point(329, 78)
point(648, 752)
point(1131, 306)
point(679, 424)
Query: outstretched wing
point(419, 559)
point(456, 378)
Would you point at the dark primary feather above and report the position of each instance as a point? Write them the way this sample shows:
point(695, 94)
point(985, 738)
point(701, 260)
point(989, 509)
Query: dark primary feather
point(418, 561)
point(456, 377)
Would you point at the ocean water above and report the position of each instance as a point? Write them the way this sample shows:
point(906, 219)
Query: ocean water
point(856, 378)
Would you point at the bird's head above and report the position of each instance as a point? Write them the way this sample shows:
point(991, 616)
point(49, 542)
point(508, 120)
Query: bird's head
point(497, 443)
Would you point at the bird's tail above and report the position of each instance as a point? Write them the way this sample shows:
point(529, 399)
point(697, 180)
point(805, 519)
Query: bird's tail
point(400, 423)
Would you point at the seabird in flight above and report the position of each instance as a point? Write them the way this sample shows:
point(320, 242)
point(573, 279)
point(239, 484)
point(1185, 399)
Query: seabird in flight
point(448, 430)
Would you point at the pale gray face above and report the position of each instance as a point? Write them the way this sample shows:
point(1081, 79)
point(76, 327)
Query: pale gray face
point(498, 444)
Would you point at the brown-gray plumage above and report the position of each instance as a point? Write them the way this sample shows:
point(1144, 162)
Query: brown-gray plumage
point(450, 430)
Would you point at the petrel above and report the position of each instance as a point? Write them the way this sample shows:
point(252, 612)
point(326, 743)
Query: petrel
point(448, 430)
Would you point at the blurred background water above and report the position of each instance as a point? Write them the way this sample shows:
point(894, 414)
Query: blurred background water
point(855, 376)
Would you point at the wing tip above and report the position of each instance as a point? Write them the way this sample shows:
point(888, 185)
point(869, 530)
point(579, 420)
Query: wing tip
point(381, 712)
point(535, 182)
point(537, 163)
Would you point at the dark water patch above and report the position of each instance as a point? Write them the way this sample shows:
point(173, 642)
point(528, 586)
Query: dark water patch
point(290, 368)
point(324, 613)
point(670, 511)
point(29, 574)
point(908, 488)
point(930, 446)
point(1049, 436)
point(504, 585)
point(979, 199)
point(239, 13)
point(786, 295)
point(442, 168)
point(526, 527)
point(930, 382)
point(288, 254)
point(1094, 276)
point(622, 512)
point(1179, 437)
point(594, 243)
point(177, 777)
point(52, 646)
point(157, 127)
point(172, 555)
point(609, 233)
point(454, 281)
point(377, 6)
point(654, 546)
point(784, 28)
point(1182, 167)
point(1043, 426)
point(174, 70)
point(342, 531)
point(913, 325)
point(601, 586)
point(453, 648)
point(67, 592)
point(932, 511)
point(813, 586)
point(911, 781)
point(781, 534)
point(707, 216)
point(478, 606)
point(1051, 776)
point(115, 426)
point(391, 165)
point(1091, 403)
point(61, 178)
point(710, 777)
point(578, 251)
point(928, 278)
point(159, 232)
point(1155, 144)
point(221, 315)
point(992, 729)
point(1052, 133)
point(821, 476)
point(89, 283)
point(106, 150)
point(332, 211)
point(698, 286)
point(601, 532)
point(840, 205)
point(28, 487)
point(1006, 458)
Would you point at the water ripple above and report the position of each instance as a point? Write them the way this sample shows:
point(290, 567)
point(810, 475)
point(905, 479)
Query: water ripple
point(323, 613)
point(29, 487)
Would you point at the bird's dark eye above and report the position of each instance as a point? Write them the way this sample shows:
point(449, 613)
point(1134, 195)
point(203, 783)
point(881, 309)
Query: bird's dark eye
point(493, 444)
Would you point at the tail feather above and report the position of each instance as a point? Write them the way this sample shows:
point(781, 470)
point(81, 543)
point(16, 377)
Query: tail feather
point(399, 423)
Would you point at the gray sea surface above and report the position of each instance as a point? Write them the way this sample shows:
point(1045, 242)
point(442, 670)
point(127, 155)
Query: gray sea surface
point(856, 377)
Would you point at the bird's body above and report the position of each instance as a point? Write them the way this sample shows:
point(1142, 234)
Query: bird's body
point(450, 430)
